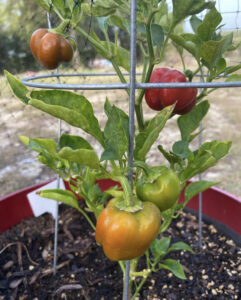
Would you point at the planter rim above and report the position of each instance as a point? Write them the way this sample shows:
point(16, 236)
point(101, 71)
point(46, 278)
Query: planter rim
point(229, 216)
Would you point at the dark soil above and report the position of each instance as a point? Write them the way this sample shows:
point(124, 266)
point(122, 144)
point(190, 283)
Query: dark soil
point(26, 258)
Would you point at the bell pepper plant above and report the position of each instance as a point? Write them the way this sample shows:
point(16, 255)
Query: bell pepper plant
point(133, 222)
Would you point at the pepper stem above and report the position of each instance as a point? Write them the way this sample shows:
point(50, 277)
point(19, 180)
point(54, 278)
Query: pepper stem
point(61, 28)
point(131, 202)
point(143, 166)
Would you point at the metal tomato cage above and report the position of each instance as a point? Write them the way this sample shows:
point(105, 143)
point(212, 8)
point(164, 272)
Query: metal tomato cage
point(131, 86)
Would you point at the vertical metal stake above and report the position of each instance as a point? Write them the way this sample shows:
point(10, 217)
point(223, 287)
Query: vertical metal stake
point(131, 119)
point(57, 185)
point(56, 229)
point(200, 198)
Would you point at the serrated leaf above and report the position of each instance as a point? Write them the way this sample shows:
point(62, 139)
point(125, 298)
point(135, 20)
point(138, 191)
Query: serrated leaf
point(175, 267)
point(189, 122)
point(18, 88)
point(73, 108)
point(145, 140)
point(63, 196)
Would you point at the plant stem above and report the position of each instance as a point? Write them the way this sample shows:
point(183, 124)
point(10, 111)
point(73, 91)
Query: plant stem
point(139, 288)
point(119, 73)
point(146, 77)
point(91, 40)
point(126, 189)
point(87, 217)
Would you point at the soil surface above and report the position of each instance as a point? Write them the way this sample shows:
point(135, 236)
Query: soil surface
point(83, 272)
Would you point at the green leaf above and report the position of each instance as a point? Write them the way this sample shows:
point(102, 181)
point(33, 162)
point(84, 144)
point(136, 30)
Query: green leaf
point(120, 54)
point(24, 139)
point(189, 122)
point(212, 19)
point(175, 267)
point(206, 156)
point(211, 51)
point(84, 157)
point(197, 187)
point(60, 5)
point(46, 149)
point(221, 66)
point(73, 108)
point(232, 69)
point(123, 116)
point(160, 246)
point(170, 157)
point(195, 22)
point(144, 140)
point(180, 246)
point(45, 4)
point(70, 4)
point(74, 142)
point(94, 193)
point(116, 139)
point(157, 34)
point(78, 150)
point(66, 197)
point(234, 47)
point(234, 77)
point(185, 8)
point(103, 25)
point(18, 88)
point(39, 145)
point(120, 22)
point(181, 149)
point(100, 8)
point(188, 44)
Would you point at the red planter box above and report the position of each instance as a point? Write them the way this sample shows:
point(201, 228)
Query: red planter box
point(217, 205)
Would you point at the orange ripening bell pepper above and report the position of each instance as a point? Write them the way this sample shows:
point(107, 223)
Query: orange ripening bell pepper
point(126, 235)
